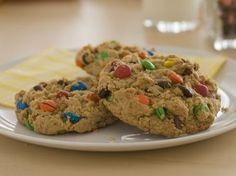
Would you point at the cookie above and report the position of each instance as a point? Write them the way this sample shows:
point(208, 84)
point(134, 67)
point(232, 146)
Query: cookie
point(93, 59)
point(161, 95)
point(62, 106)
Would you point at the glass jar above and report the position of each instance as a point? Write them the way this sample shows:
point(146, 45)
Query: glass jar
point(222, 21)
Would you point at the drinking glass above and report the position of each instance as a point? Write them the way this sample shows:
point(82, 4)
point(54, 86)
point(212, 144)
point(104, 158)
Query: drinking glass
point(171, 16)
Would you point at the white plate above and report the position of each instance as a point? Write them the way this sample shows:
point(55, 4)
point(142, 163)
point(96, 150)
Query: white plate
point(121, 137)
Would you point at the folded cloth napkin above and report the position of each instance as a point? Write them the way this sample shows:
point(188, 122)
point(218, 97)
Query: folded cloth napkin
point(57, 63)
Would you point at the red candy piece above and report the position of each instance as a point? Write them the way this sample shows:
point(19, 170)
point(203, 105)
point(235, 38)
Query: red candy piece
point(122, 71)
point(201, 89)
point(62, 93)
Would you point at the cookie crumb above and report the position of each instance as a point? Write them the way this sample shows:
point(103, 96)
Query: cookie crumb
point(111, 139)
point(224, 110)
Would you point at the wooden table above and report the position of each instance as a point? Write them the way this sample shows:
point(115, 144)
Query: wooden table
point(30, 26)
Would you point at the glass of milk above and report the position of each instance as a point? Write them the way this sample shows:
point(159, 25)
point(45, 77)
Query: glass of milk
point(171, 16)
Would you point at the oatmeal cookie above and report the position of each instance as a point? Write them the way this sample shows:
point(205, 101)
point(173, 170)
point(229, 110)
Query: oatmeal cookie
point(93, 59)
point(161, 95)
point(62, 106)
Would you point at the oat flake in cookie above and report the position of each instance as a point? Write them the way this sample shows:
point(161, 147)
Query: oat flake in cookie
point(93, 59)
point(62, 106)
point(161, 95)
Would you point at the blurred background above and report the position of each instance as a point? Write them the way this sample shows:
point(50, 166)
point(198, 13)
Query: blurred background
point(28, 26)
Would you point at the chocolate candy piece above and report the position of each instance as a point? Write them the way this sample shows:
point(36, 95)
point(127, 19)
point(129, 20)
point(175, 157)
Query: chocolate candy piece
point(146, 90)
point(164, 84)
point(48, 105)
point(113, 65)
point(72, 117)
point(178, 123)
point(104, 93)
point(44, 84)
point(84, 58)
point(160, 113)
point(148, 65)
point(186, 91)
point(62, 82)
point(37, 88)
point(187, 71)
point(21, 105)
point(122, 71)
point(201, 89)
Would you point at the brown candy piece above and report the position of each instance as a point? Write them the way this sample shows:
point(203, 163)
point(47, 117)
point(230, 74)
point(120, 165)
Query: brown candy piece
point(187, 71)
point(37, 88)
point(178, 123)
point(164, 84)
point(186, 91)
point(103, 93)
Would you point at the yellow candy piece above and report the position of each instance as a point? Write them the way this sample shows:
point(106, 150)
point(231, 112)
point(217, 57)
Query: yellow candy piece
point(169, 63)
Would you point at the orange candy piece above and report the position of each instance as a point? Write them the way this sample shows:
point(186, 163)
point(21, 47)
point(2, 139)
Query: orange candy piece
point(79, 63)
point(92, 97)
point(142, 55)
point(176, 78)
point(48, 105)
point(143, 99)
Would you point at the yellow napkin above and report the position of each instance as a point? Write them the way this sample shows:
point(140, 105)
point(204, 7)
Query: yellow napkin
point(48, 64)
point(208, 67)
point(57, 63)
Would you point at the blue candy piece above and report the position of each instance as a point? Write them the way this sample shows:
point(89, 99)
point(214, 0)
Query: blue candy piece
point(21, 105)
point(151, 53)
point(82, 86)
point(79, 86)
point(72, 117)
point(74, 87)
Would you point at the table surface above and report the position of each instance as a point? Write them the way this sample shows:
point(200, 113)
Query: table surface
point(30, 26)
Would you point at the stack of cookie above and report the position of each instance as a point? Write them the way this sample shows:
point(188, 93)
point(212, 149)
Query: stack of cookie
point(164, 95)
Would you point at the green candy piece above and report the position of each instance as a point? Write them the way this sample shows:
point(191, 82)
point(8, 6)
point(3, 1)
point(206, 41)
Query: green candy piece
point(29, 125)
point(113, 41)
point(113, 44)
point(103, 55)
point(206, 108)
point(148, 65)
point(109, 98)
point(160, 112)
point(196, 109)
